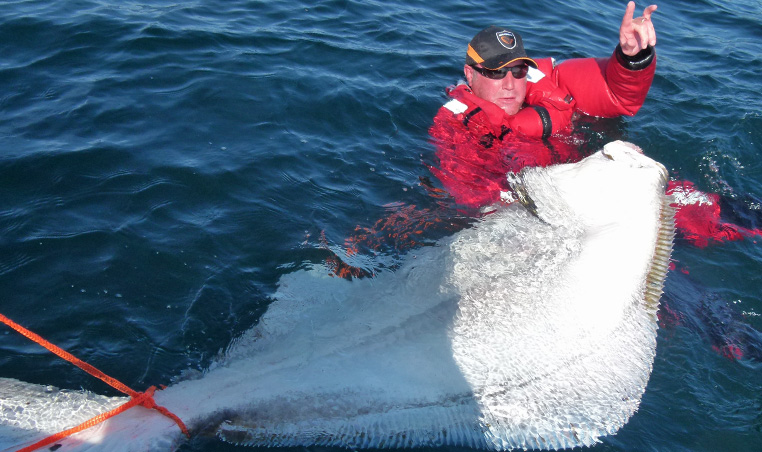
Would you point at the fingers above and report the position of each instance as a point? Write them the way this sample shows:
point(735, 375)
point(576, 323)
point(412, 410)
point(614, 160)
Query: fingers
point(647, 14)
point(648, 11)
point(636, 34)
point(628, 13)
point(645, 28)
point(645, 31)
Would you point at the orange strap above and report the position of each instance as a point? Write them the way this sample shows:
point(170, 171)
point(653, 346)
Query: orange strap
point(137, 398)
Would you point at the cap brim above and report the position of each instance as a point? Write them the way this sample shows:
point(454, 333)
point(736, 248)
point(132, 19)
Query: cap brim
point(497, 65)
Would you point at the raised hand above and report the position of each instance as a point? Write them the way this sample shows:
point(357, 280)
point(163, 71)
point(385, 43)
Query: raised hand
point(638, 33)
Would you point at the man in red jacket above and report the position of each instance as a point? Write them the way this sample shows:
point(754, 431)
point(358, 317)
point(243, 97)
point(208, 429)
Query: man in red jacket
point(513, 111)
point(481, 133)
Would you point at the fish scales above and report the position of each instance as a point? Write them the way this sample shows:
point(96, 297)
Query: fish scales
point(533, 329)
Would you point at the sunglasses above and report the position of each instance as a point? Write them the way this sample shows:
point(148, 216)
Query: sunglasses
point(498, 74)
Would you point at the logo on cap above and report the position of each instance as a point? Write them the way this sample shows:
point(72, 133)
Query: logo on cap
point(506, 39)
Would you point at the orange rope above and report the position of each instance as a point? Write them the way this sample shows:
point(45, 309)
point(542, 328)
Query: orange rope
point(144, 399)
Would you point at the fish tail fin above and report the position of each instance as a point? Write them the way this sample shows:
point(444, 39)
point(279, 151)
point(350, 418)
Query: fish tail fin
point(32, 413)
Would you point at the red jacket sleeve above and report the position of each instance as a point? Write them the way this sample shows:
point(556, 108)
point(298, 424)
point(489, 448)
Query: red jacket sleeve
point(608, 87)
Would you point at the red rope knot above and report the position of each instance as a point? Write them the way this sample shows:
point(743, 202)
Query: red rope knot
point(145, 399)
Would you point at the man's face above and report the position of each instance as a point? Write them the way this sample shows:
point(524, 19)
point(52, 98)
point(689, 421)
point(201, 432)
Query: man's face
point(507, 93)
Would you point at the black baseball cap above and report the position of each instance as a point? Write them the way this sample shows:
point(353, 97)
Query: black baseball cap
point(496, 47)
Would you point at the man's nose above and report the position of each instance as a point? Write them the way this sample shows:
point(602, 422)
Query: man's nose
point(508, 81)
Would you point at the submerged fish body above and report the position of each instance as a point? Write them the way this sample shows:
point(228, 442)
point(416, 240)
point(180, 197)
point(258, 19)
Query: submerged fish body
point(532, 329)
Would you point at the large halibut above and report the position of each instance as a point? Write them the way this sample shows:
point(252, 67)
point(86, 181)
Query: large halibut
point(536, 328)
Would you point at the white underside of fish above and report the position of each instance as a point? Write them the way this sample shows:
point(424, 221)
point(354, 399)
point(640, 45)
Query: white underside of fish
point(536, 328)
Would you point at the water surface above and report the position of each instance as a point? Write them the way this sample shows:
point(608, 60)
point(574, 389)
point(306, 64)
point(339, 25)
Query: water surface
point(164, 164)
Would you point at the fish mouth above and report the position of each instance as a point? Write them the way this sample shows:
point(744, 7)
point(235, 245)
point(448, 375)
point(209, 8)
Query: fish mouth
point(516, 182)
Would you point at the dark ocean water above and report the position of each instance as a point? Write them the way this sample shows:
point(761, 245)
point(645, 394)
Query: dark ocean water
point(163, 164)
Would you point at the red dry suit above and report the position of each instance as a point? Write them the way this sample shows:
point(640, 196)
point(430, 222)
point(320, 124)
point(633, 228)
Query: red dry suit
point(698, 217)
point(477, 143)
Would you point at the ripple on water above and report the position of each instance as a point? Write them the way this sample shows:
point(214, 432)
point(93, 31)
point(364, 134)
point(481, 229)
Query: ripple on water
point(164, 163)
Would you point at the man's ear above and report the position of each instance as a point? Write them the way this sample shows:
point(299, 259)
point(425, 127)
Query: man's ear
point(468, 71)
